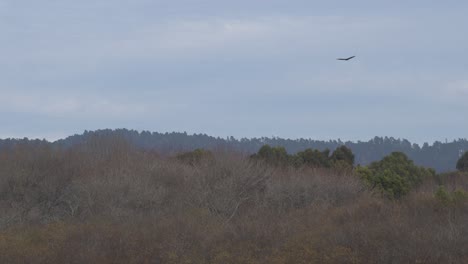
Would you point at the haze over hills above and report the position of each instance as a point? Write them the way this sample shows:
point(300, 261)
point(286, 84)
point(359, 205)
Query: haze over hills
point(442, 156)
point(240, 68)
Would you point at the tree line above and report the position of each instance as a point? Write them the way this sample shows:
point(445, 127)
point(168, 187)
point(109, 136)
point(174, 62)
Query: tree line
point(440, 156)
point(394, 176)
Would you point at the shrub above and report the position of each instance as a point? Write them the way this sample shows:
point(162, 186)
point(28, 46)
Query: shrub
point(395, 174)
point(442, 195)
point(451, 198)
point(459, 196)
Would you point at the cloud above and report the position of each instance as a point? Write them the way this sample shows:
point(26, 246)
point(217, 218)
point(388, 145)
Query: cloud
point(179, 38)
point(79, 106)
point(458, 88)
point(185, 64)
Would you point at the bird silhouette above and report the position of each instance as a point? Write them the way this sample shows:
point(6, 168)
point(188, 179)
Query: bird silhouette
point(346, 59)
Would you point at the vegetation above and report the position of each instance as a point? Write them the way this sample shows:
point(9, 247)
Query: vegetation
point(395, 174)
point(195, 157)
point(451, 198)
point(462, 163)
point(344, 154)
point(104, 200)
point(313, 158)
point(342, 157)
point(440, 156)
point(276, 156)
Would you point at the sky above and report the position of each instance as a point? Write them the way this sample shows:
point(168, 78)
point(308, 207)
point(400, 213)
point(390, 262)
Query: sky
point(244, 68)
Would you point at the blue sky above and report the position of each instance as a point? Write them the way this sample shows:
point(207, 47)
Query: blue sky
point(240, 68)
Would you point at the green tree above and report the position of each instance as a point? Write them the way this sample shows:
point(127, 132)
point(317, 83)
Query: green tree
point(462, 164)
point(342, 155)
point(273, 155)
point(364, 173)
point(394, 175)
point(391, 183)
point(314, 158)
point(399, 163)
point(196, 156)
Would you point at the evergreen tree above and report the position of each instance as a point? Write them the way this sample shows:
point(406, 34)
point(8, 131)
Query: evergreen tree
point(462, 164)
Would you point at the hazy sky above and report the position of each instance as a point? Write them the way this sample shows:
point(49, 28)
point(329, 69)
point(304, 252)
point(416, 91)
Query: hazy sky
point(245, 68)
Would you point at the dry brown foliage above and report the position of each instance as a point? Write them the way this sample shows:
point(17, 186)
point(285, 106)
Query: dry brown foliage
point(106, 202)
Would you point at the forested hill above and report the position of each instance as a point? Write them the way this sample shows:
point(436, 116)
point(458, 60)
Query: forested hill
point(440, 156)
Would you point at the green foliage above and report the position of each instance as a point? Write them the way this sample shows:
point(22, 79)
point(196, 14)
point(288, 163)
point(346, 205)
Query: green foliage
point(451, 198)
point(196, 156)
point(342, 158)
point(272, 155)
point(441, 156)
point(314, 158)
point(296, 161)
point(442, 195)
point(399, 163)
point(394, 175)
point(391, 183)
point(341, 165)
point(462, 164)
point(364, 173)
point(459, 196)
point(343, 154)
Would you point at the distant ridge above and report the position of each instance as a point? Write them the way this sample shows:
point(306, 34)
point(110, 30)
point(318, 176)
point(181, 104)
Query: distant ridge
point(440, 156)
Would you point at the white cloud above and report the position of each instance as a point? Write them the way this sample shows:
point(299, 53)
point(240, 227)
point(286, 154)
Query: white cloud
point(203, 63)
point(182, 38)
point(255, 36)
point(78, 106)
point(452, 92)
point(458, 88)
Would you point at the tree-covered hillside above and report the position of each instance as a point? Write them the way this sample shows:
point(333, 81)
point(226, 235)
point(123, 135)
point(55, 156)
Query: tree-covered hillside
point(440, 156)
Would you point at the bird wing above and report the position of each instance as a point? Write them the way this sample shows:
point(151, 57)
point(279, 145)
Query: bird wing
point(346, 59)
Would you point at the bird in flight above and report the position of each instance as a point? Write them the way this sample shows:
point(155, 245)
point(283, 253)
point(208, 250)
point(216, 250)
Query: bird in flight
point(346, 59)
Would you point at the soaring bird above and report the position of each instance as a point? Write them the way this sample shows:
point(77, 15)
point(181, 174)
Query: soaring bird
point(346, 59)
